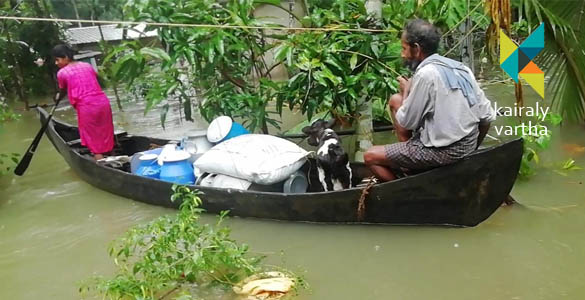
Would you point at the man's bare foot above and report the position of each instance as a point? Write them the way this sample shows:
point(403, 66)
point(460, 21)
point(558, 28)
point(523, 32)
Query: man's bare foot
point(98, 156)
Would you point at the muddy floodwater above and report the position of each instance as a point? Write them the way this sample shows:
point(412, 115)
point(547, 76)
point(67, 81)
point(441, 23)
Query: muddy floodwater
point(55, 229)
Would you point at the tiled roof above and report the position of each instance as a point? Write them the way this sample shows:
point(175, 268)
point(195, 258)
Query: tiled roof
point(86, 54)
point(91, 34)
point(138, 32)
point(87, 35)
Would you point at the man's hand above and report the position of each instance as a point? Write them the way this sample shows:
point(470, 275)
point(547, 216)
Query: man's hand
point(483, 130)
point(404, 86)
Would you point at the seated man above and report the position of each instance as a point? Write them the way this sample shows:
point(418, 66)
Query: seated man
point(440, 116)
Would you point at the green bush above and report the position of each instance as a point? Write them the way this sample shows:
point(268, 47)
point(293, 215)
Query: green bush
point(171, 256)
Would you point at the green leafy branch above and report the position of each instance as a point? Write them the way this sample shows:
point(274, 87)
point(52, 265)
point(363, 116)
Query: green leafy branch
point(534, 144)
point(173, 255)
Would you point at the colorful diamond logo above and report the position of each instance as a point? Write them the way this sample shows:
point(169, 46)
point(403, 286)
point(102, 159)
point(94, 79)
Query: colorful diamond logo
point(517, 61)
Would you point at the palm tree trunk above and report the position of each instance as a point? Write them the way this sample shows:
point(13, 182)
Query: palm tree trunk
point(365, 129)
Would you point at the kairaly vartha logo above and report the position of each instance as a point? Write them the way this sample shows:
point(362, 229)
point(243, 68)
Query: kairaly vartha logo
point(518, 61)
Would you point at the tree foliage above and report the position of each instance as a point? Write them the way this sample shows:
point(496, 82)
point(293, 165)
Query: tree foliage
point(564, 55)
point(230, 69)
point(23, 43)
point(563, 58)
point(89, 9)
point(216, 65)
point(7, 160)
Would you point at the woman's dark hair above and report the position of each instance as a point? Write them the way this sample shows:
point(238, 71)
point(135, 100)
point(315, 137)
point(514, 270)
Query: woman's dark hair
point(423, 33)
point(63, 51)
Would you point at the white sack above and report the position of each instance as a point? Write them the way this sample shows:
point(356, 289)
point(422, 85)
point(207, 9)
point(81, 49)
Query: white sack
point(224, 181)
point(259, 158)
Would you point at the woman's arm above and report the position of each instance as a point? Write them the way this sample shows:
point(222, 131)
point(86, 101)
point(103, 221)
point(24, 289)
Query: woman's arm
point(60, 94)
point(62, 91)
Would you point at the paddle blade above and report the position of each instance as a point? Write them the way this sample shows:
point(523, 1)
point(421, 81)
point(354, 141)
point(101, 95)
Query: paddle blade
point(23, 164)
point(25, 161)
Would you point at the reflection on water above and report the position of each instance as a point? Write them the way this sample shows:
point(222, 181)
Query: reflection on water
point(55, 228)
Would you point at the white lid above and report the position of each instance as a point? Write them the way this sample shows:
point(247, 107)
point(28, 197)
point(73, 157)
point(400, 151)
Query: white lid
point(219, 129)
point(177, 156)
point(149, 156)
point(168, 148)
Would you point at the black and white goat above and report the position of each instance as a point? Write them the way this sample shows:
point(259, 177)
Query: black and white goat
point(332, 161)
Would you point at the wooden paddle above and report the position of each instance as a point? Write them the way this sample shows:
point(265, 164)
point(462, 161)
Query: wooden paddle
point(25, 161)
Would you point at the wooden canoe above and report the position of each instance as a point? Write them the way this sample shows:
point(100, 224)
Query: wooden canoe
point(462, 194)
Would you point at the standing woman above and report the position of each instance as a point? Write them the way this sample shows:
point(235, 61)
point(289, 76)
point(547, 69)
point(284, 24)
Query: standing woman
point(94, 114)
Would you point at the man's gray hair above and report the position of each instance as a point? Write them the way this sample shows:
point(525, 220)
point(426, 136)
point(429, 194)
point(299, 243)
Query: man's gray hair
point(423, 33)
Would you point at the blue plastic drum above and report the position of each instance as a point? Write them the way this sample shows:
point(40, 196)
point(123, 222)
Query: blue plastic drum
point(136, 162)
point(177, 169)
point(236, 130)
point(148, 166)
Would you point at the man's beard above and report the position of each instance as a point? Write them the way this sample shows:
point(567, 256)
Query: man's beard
point(412, 64)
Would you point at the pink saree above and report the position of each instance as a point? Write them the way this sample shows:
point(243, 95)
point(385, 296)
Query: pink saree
point(94, 114)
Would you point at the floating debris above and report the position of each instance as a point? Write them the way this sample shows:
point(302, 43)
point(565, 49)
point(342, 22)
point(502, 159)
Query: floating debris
point(574, 149)
point(265, 286)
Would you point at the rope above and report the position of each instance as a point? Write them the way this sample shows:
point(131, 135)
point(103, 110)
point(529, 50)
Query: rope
point(487, 83)
point(215, 26)
point(361, 209)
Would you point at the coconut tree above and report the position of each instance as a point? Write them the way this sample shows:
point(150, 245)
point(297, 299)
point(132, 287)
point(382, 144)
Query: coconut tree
point(564, 54)
point(563, 57)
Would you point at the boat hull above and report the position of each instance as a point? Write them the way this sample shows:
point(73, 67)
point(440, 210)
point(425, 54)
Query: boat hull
point(462, 194)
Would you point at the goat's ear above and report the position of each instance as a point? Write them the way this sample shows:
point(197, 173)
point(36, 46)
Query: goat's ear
point(307, 130)
point(330, 123)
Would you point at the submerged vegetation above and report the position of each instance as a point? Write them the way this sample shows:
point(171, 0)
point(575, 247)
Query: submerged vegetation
point(172, 256)
point(6, 113)
point(7, 160)
point(536, 142)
